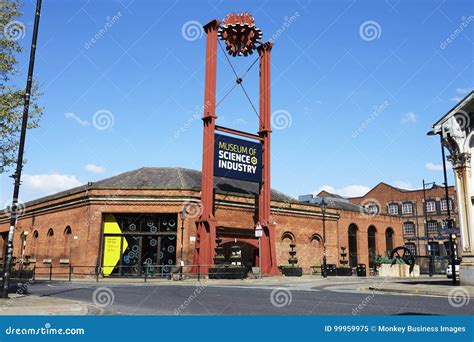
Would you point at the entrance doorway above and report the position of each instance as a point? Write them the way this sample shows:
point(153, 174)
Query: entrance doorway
point(352, 232)
point(249, 253)
point(135, 244)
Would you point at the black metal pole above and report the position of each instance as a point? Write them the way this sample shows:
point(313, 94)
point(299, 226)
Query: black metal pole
point(450, 222)
point(19, 162)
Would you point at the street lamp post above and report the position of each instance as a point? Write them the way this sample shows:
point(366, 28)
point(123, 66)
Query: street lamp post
point(19, 163)
point(428, 247)
point(323, 205)
point(449, 219)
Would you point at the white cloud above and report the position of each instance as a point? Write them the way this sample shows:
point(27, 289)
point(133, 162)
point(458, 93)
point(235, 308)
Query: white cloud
point(94, 168)
point(346, 191)
point(434, 167)
point(462, 91)
point(456, 99)
point(409, 117)
point(74, 117)
point(403, 185)
point(49, 183)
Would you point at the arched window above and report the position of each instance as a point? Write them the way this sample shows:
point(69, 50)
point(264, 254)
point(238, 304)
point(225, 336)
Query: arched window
point(67, 243)
point(35, 234)
point(352, 234)
point(389, 240)
point(50, 232)
point(317, 249)
point(372, 245)
point(288, 236)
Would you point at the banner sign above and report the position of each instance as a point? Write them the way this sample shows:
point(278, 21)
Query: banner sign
point(237, 159)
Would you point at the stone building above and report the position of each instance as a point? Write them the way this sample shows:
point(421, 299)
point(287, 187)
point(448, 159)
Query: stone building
point(134, 219)
point(456, 132)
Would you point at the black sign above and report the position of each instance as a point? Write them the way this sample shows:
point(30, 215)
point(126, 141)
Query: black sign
point(237, 159)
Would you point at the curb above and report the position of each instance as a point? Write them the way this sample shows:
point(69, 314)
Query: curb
point(409, 291)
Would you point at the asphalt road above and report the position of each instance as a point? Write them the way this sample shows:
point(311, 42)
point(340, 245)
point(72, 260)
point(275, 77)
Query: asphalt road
point(115, 299)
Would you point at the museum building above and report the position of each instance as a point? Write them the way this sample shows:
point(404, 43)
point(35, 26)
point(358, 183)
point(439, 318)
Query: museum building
point(148, 217)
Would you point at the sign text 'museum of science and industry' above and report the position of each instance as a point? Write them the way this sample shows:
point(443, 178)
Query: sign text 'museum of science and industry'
point(237, 159)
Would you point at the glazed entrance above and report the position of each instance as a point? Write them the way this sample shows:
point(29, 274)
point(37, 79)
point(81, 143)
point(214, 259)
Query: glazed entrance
point(137, 243)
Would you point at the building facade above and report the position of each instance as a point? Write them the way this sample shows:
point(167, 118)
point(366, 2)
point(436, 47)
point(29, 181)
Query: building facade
point(147, 217)
point(423, 213)
point(456, 132)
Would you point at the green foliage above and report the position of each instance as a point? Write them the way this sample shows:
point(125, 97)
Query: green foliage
point(12, 97)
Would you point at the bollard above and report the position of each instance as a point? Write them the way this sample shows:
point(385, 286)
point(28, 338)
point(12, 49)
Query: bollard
point(34, 272)
point(70, 272)
point(97, 270)
point(50, 271)
point(199, 272)
point(146, 272)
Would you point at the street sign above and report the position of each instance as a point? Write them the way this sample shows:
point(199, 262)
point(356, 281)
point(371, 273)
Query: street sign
point(258, 230)
point(450, 231)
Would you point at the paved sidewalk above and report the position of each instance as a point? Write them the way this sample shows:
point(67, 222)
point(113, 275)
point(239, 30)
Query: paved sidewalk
point(43, 306)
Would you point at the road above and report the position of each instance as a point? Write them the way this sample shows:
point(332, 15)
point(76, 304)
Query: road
point(212, 299)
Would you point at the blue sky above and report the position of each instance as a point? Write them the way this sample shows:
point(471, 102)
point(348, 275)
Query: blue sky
point(355, 87)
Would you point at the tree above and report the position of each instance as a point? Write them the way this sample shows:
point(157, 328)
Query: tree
point(11, 96)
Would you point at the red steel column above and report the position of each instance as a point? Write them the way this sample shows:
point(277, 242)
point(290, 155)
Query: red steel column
point(206, 224)
point(268, 252)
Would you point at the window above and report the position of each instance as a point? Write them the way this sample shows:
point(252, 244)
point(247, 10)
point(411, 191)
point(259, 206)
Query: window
point(411, 247)
point(433, 248)
point(444, 206)
point(393, 209)
point(407, 208)
point(409, 228)
point(432, 227)
point(430, 206)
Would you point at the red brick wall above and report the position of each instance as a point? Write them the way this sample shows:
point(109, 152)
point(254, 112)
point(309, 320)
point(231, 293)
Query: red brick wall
point(303, 221)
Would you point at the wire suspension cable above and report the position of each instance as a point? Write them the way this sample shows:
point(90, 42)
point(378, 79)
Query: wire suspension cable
point(239, 80)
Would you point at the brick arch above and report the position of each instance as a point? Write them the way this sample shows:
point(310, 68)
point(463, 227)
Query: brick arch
point(288, 235)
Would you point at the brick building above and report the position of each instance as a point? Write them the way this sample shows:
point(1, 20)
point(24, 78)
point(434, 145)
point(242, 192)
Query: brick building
point(423, 222)
point(122, 222)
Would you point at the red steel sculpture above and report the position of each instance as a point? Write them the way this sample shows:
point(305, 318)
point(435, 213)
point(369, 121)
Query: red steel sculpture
point(241, 38)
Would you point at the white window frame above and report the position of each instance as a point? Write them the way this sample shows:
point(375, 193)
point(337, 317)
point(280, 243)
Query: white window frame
point(431, 230)
point(393, 206)
point(405, 206)
point(412, 227)
point(444, 206)
point(430, 206)
point(412, 247)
